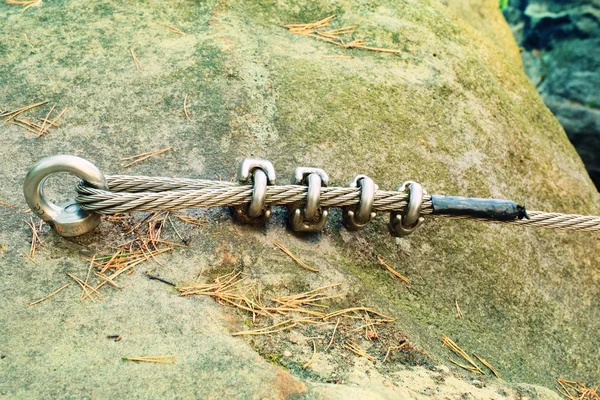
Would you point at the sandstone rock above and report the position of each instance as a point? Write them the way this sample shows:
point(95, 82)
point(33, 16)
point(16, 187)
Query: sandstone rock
point(453, 110)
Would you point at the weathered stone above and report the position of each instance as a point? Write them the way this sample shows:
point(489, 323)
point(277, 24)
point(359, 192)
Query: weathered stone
point(453, 111)
point(560, 54)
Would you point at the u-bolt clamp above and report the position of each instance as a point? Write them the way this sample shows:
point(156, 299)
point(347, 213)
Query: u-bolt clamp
point(260, 173)
point(407, 223)
point(355, 218)
point(68, 219)
point(314, 217)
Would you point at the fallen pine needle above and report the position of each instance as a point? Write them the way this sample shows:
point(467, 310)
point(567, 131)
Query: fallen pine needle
point(394, 348)
point(86, 288)
point(175, 30)
point(170, 359)
point(392, 270)
point(333, 335)
point(353, 309)
point(138, 66)
point(44, 123)
point(50, 295)
point(487, 364)
point(2, 203)
point(185, 111)
point(143, 156)
point(35, 238)
point(12, 114)
point(190, 220)
point(30, 259)
point(340, 57)
point(281, 326)
point(359, 351)
point(293, 257)
point(313, 356)
point(459, 313)
point(334, 36)
point(575, 390)
point(460, 352)
point(51, 123)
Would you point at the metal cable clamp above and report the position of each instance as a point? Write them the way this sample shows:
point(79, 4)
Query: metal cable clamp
point(406, 223)
point(313, 218)
point(260, 173)
point(356, 218)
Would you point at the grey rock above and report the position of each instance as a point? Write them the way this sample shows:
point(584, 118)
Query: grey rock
point(561, 56)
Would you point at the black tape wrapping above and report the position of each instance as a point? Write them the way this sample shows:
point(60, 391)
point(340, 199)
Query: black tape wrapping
point(501, 210)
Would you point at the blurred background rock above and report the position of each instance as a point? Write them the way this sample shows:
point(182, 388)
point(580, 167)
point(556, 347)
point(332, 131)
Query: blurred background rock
point(560, 43)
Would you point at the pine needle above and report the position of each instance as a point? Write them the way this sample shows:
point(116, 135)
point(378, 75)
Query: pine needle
point(333, 36)
point(281, 326)
point(359, 351)
point(8, 116)
point(313, 356)
point(293, 257)
point(185, 111)
point(170, 359)
point(138, 66)
point(392, 270)
point(143, 156)
point(175, 30)
point(459, 313)
point(50, 295)
point(394, 348)
point(460, 352)
point(2, 203)
point(488, 365)
point(333, 335)
point(354, 309)
point(190, 220)
point(575, 390)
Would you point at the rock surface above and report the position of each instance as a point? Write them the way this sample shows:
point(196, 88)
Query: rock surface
point(453, 110)
point(560, 43)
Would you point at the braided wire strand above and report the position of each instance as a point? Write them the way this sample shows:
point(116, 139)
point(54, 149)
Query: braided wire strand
point(142, 193)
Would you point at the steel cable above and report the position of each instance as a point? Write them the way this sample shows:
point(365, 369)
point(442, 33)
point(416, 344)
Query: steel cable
point(139, 193)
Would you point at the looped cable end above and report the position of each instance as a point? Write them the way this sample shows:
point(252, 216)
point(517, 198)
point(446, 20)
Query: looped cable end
point(69, 219)
point(406, 223)
point(260, 173)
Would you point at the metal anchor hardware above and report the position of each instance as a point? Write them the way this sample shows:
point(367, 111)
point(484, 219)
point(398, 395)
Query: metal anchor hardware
point(261, 173)
point(357, 217)
point(407, 223)
point(67, 219)
point(313, 218)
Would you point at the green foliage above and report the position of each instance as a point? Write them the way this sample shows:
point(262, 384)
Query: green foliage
point(503, 4)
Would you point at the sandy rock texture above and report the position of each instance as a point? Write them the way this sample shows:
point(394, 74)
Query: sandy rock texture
point(453, 110)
